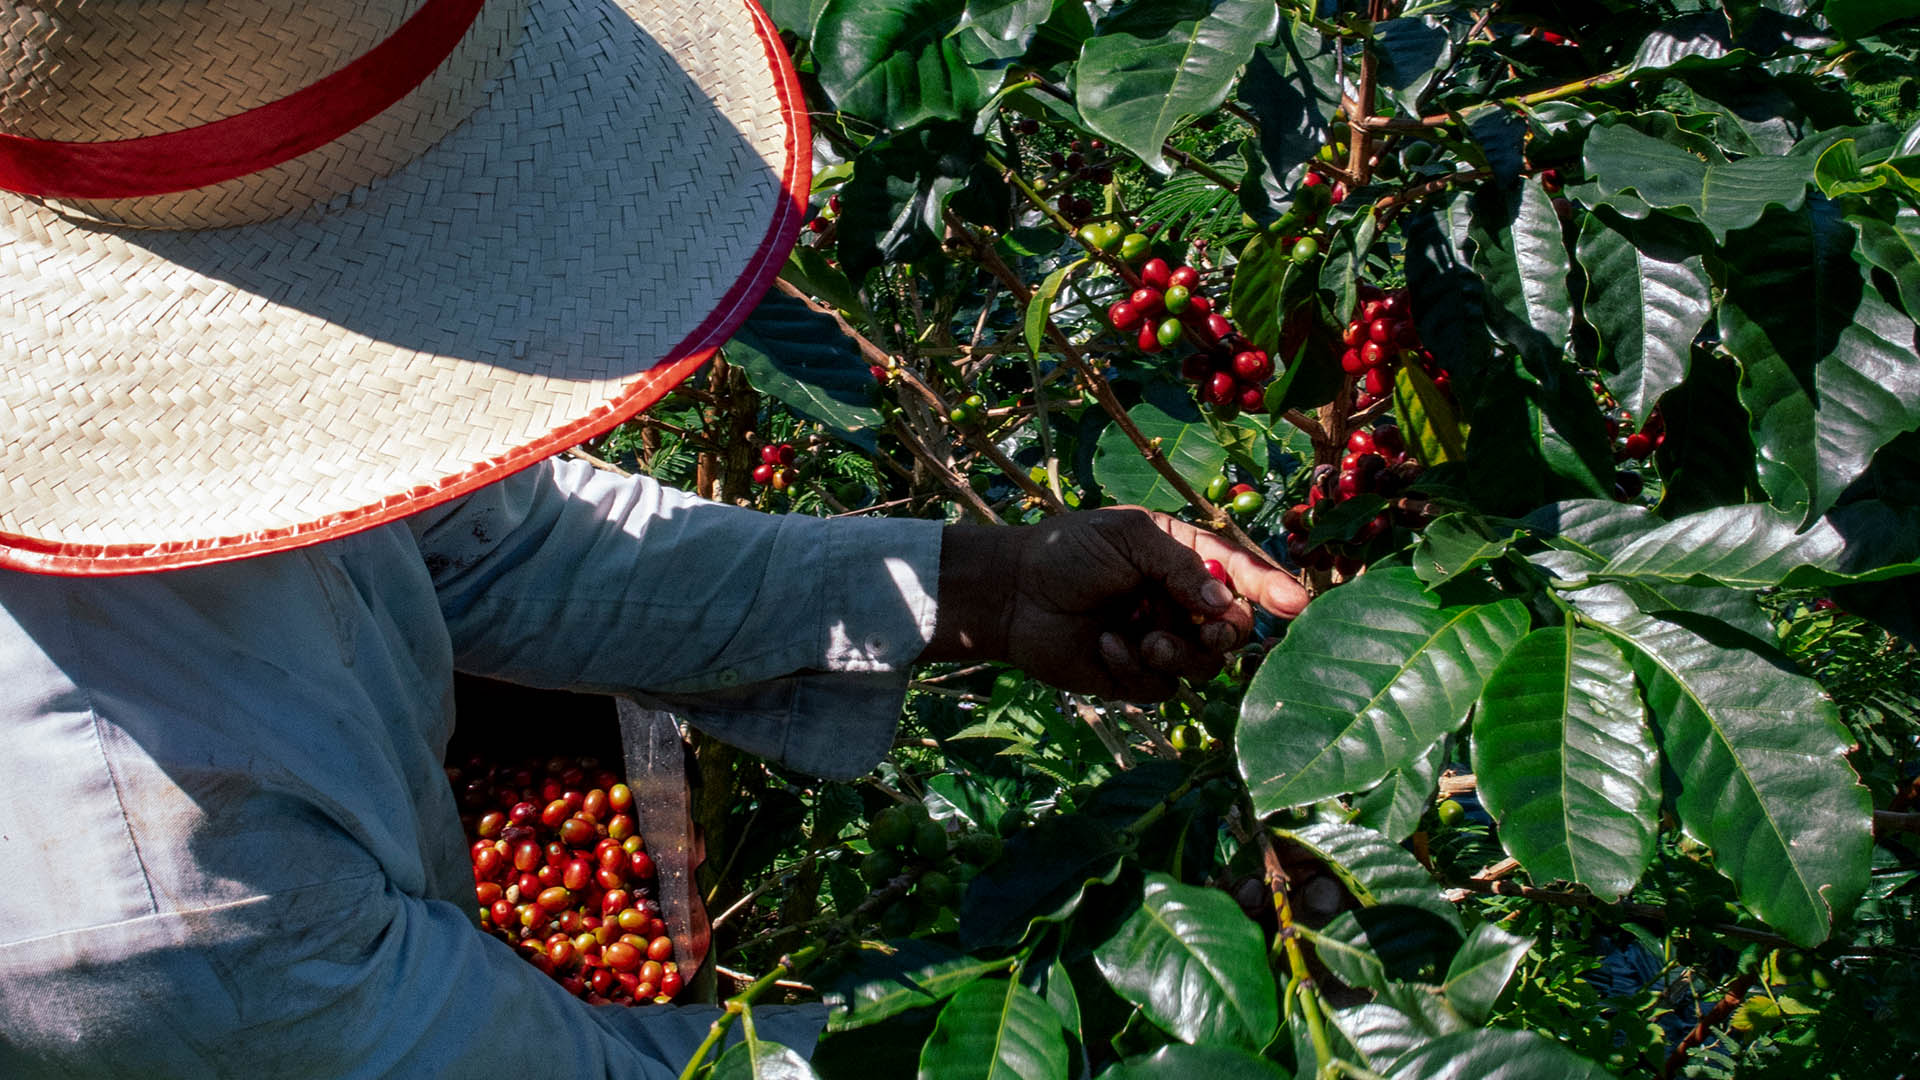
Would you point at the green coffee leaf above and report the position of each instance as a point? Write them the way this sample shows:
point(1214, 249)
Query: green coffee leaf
point(1565, 762)
point(1196, 964)
point(886, 982)
point(998, 1029)
point(1495, 1054)
point(1140, 74)
point(1647, 297)
point(1760, 754)
point(801, 357)
point(1409, 666)
point(1480, 970)
point(1185, 439)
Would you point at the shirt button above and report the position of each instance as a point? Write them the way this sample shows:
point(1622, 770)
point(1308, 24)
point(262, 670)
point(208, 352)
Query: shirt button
point(729, 677)
point(876, 645)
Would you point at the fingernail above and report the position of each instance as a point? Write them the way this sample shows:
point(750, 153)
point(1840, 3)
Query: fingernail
point(1159, 651)
point(1216, 595)
point(1112, 649)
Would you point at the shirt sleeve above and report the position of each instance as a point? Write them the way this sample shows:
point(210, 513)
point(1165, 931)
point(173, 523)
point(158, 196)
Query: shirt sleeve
point(787, 635)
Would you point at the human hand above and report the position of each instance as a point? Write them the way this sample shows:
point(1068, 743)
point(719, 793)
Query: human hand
point(1111, 602)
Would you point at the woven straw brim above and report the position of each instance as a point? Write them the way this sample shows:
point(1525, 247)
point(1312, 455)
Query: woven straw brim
point(610, 213)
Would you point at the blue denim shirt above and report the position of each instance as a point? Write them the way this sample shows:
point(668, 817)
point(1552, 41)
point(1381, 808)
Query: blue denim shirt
point(228, 845)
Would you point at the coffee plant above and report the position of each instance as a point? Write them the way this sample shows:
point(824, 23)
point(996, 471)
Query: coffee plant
point(1565, 349)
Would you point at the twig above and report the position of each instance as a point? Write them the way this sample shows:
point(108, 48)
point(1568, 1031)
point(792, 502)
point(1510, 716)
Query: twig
point(974, 438)
point(1090, 716)
point(741, 1003)
point(743, 977)
point(597, 462)
point(946, 476)
point(770, 882)
point(1097, 385)
point(1137, 719)
point(1730, 1000)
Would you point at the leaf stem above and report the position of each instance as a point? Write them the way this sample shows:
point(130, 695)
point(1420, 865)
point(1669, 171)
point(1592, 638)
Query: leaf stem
point(740, 1003)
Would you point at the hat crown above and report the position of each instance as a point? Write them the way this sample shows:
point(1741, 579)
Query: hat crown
point(86, 71)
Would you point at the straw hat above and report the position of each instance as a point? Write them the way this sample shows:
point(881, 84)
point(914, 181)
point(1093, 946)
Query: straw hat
point(273, 271)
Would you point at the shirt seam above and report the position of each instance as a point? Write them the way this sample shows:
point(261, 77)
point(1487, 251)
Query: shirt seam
point(106, 761)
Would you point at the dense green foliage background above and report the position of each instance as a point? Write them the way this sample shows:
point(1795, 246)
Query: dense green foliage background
point(1595, 756)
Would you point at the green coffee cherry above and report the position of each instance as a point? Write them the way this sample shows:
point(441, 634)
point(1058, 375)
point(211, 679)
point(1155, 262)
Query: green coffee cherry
point(1134, 246)
point(1168, 332)
point(930, 840)
point(1248, 502)
point(1176, 298)
point(1450, 813)
point(979, 848)
point(877, 867)
point(1217, 487)
point(1305, 249)
point(891, 828)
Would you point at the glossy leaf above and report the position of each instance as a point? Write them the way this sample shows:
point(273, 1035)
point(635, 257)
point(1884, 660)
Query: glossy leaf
point(1293, 89)
point(908, 975)
point(1757, 546)
point(1854, 19)
point(898, 62)
point(1260, 287)
point(1136, 79)
point(1523, 259)
point(1413, 52)
point(1381, 1033)
point(1598, 527)
point(1536, 436)
point(1368, 678)
point(1196, 964)
point(1698, 42)
point(1449, 300)
point(995, 1029)
point(1721, 196)
point(1434, 431)
point(1453, 544)
point(892, 205)
point(802, 358)
point(1185, 439)
point(1760, 755)
point(1374, 869)
point(1565, 762)
point(1394, 805)
point(1372, 946)
point(1646, 299)
point(1864, 393)
point(1041, 876)
point(1480, 970)
point(1895, 248)
point(1177, 1061)
point(756, 1059)
point(1495, 1054)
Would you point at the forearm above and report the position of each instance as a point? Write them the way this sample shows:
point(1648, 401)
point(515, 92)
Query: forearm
point(978, 567)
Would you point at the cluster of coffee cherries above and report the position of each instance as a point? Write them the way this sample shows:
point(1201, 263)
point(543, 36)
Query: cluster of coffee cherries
point(1168, 307)
point(1376, 461)
point(905, 840)
point(824, 220)
point(563, 875)
point(776, 466)
point(1079, 163)
point(1631, 442)
point(1380, 337)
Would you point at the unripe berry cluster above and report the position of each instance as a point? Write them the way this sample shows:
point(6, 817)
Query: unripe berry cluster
point(562, 874)
point(905, 840)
